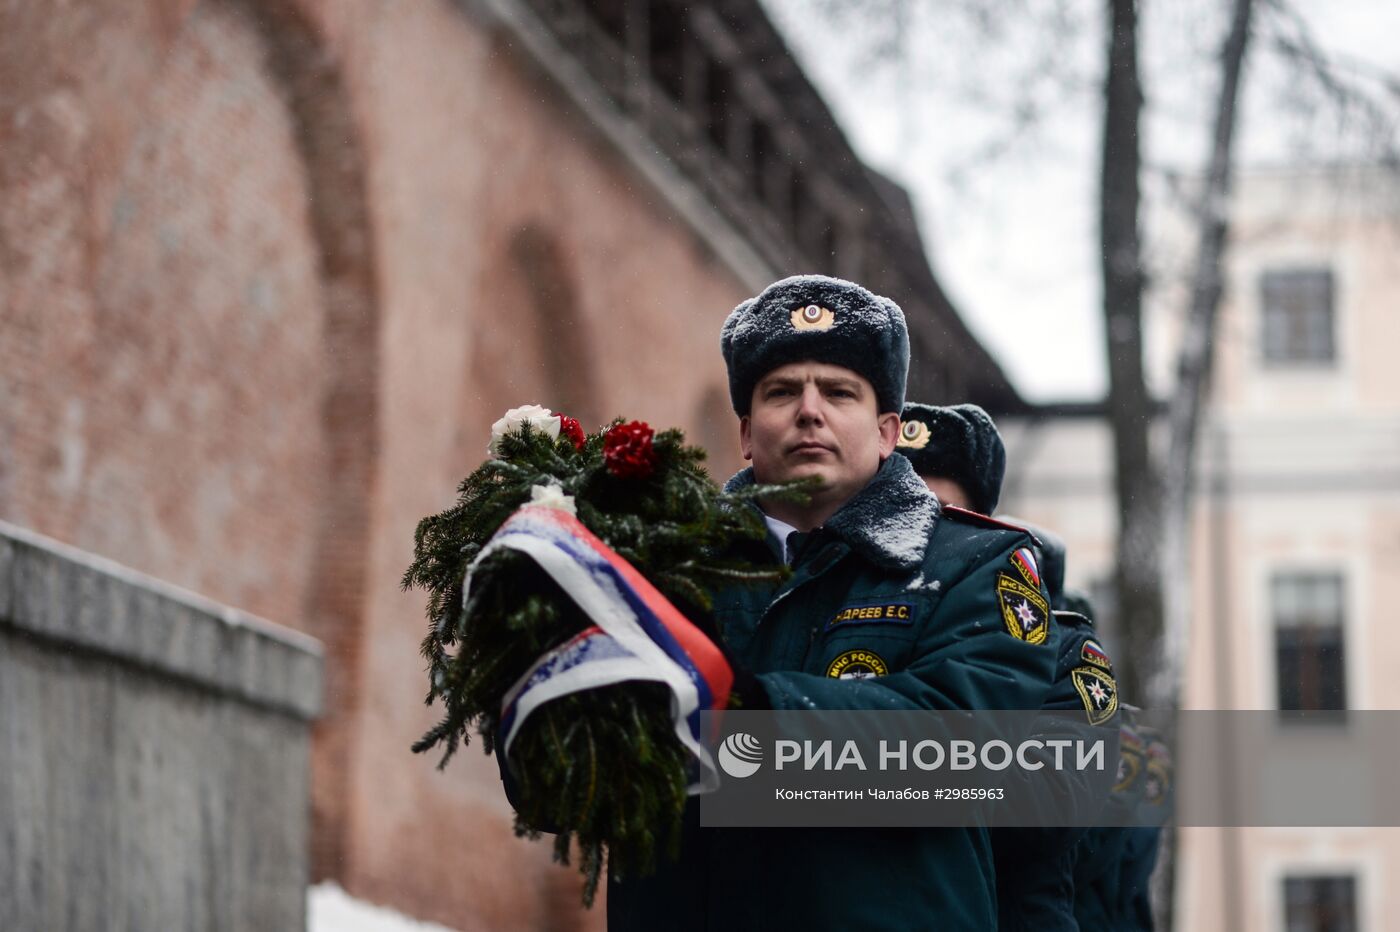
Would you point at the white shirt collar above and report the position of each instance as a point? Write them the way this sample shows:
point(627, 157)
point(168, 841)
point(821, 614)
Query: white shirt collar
point(780, 530)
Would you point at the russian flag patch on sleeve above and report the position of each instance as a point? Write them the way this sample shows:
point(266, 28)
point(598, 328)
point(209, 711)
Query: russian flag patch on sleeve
point(1091, 652)
point(1024, 561)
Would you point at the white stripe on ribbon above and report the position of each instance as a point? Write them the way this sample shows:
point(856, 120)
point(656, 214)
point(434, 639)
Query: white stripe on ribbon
point(597, 595)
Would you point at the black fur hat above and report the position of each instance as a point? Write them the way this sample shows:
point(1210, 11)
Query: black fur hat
point(1077, 600)
point(812, 317)
point(959, 443)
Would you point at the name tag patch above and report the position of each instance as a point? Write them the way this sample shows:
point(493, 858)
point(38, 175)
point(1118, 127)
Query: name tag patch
point(892, 613)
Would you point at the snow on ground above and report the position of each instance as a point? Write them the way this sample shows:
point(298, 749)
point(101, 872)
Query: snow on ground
point(331, 909)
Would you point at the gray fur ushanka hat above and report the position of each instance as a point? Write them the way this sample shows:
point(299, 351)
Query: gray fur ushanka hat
point(960, 443)
point(812, 317)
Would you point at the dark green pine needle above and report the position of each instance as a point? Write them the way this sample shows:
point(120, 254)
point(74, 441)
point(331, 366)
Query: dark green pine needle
point(603, 767)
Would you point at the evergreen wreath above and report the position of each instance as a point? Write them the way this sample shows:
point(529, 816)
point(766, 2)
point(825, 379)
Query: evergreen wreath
point(601, 768)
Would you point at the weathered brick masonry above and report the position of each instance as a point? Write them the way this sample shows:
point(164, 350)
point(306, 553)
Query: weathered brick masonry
point(270, 268)
point(268, 275)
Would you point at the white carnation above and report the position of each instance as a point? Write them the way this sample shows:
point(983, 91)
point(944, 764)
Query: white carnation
point(537, 416)
point(552, 496)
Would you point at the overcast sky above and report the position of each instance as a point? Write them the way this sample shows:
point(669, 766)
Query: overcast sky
point(993, 124)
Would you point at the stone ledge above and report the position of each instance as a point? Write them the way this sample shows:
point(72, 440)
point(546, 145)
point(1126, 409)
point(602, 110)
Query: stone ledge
point(62, 594)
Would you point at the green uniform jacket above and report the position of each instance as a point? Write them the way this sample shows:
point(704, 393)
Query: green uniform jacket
point(954, 640)
point(1112, 864)
point(1035, 866)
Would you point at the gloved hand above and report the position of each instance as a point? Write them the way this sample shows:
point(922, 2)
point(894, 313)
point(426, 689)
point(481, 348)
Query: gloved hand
point(747, 693)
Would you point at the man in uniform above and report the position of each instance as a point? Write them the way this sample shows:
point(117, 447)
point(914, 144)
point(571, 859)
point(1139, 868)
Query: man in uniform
point(959, 454)
point(817, 370)
point(1113, 864)
point(1061, 879)
point(957, 451)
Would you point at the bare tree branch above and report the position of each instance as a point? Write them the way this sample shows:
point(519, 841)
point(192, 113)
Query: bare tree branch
point(1138, 582)
point(1194, 361)
point(1360, 95)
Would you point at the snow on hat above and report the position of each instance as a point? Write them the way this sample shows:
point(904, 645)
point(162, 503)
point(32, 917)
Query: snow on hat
point(959, 443)
point(821, 319)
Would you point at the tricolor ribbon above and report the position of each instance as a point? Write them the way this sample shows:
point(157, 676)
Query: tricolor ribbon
point(638, 633)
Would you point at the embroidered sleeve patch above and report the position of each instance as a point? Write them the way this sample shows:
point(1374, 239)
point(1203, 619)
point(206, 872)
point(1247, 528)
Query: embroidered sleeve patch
point(1024, 561)
point(1129, 766)
point(1091, 652)
point(1158, 783)
point(1024, 609)
point(857, 665)
point(895, 613)
point(1098, 691)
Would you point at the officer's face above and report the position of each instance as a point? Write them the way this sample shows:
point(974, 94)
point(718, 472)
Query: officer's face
point(816, 419)
point(948, 491)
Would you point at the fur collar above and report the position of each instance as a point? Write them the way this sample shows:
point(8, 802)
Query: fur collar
point(888, 522)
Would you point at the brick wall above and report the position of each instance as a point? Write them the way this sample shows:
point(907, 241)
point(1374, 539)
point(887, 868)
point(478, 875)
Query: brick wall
point(162, 395)
point(267, 274)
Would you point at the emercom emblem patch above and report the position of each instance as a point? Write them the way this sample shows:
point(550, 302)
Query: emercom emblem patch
point(894, 613)
point(1025, 611)
point(1158, 780)
point(857, 665)
point(1129, 766)
point(1098, 691)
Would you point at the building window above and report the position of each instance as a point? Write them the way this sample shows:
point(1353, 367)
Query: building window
point(800, 203)
point(718, 92)
point(1319, 904)
point(611, 15)
point(826, 242)
point(1298, 324)
point(666, 48)
point(761, 154)
point(1308, 612)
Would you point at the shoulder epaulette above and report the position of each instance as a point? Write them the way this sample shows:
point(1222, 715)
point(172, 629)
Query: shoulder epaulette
point(981, 520)
point(1071, 619)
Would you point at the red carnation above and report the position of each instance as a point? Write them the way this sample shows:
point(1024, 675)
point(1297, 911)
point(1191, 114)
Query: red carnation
point(628, 452)
point(570, 427)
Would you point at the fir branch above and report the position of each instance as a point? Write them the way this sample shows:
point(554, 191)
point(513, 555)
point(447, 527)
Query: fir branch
point(603, 767)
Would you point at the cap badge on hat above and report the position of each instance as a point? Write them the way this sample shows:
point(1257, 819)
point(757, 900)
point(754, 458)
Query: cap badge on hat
point(812, 317)
point(913, 435)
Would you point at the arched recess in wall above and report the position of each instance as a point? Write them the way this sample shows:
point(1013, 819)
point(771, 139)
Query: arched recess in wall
point(328, 139)
point(718, 431)
point(562, 338)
